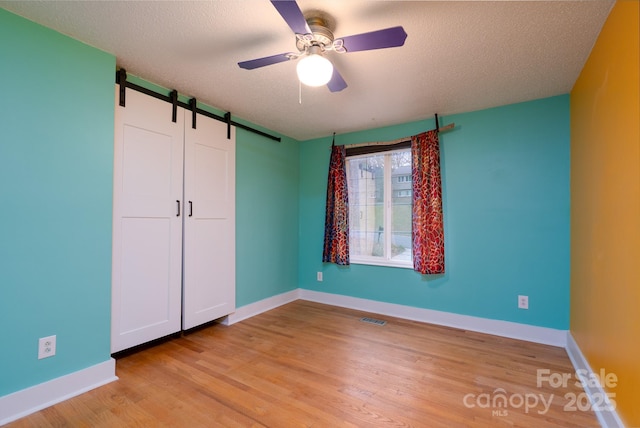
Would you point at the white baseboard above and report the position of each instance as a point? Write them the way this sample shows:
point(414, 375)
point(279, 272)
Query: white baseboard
point(29, 400)
point(252, 309)
point(544, 335)
point(606, 418)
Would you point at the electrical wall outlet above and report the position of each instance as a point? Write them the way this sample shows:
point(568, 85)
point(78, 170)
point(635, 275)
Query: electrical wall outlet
point(46, 347)
point(523, 302)
point(319, 276)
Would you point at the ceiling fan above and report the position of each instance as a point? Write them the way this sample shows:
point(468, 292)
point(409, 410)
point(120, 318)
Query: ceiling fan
point(314, 37)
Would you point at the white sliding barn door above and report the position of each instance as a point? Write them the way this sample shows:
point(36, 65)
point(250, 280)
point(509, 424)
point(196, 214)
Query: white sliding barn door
point(209, 222)
point(147, 230)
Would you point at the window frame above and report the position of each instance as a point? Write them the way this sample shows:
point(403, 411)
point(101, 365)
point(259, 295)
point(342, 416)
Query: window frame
point(388, 204)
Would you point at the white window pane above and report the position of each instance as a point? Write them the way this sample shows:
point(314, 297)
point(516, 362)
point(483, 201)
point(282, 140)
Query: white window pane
point(401, 205)
point(366, 195)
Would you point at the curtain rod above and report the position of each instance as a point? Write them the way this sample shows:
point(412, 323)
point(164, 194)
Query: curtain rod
point(379, 143)
point(172, 98)
point(399, 140)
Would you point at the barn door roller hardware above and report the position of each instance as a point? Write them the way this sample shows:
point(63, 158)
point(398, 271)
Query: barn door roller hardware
point(172, 98)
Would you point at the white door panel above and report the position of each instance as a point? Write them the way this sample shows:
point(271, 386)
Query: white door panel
point(146, 288)
point(211, 184)
point(209, 226)
point(146, 174)
point(147, 233)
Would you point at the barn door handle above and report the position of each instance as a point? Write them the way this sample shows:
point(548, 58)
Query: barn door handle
point(178, 201)
point(190, 209)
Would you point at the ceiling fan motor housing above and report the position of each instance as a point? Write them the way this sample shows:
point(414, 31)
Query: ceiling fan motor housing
point(321, 35)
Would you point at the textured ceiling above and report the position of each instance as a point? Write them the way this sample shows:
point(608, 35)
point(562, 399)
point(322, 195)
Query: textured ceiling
point(458, 56)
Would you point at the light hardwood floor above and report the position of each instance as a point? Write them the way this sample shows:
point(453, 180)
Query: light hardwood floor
point(306, 364)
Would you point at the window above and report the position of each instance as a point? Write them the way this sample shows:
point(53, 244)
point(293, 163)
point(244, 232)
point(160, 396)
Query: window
point(380, 208)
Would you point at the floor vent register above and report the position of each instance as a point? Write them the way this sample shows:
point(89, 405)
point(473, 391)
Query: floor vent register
point(373, 321)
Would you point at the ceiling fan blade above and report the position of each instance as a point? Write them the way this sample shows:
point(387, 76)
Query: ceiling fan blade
point(290, 11)
point(262, 62)
point(337, 83)
point(387, 38)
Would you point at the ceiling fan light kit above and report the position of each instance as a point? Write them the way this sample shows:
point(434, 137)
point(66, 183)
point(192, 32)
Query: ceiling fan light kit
point(314, 38)
point(314, 69)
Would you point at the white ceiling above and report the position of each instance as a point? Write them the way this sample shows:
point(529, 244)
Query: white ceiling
point(458, 56)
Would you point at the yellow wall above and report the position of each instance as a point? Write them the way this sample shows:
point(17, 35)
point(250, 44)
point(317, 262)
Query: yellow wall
point(605, 207)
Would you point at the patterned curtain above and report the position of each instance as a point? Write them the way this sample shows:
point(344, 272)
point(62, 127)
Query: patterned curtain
point(336, 225)
point(427, 228)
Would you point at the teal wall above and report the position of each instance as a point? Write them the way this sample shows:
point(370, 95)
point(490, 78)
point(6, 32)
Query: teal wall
point(267, 179)
point(506, 212)
point(56, 169)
